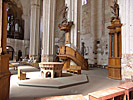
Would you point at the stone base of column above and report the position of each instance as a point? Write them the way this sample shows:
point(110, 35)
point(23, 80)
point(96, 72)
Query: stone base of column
point(47, 58)
point(127, 66)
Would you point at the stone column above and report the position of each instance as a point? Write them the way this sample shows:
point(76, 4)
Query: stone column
point(26, 27)
point(74, 14)
point(126, 16)
point(92, 28)
point(35, 29)
point(48, 30)
point(100, 30)
point(0, 26)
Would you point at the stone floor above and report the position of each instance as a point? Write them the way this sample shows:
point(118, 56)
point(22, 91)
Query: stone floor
point(61, 82)
point(97, 80)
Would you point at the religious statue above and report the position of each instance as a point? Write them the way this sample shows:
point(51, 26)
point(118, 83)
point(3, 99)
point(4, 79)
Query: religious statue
point(83, 49)
point(115, 11)
point(65, 25)
point(64, 14)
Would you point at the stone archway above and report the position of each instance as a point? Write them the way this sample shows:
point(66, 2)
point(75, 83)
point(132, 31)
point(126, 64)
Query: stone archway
point(48, 74)
point(10, 51)
point(27, 51)
point(19, 55)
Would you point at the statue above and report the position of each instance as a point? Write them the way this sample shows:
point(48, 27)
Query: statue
point(65, 25)
point(64, 14)
point(115, 11)
point(83, 49)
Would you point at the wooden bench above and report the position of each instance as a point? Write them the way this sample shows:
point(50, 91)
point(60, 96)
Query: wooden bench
point(15, 66)
point(21, 75)
point(113, 93)
point(34, 64)
point(128, 90)
point(74, 69)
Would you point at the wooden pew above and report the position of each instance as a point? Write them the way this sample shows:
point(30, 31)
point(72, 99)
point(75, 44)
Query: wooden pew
point(74, 69)
point(21, 75)
point(128, 90)
point(15, 67)
point(113, 93)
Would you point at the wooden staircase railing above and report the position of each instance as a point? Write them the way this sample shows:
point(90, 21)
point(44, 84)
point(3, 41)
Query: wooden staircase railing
point(66, 52)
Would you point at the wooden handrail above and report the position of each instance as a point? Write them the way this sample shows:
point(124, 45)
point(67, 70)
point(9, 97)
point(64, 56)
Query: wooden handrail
point(74, 55)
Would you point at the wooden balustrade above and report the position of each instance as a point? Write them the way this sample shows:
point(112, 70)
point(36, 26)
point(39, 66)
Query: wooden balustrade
point(66, 52)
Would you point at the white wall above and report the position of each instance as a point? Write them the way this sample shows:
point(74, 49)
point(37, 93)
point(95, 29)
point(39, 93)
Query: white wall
point(126, 16)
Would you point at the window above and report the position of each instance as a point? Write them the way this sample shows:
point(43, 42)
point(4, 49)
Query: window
point(15, 23)
point(84, 2)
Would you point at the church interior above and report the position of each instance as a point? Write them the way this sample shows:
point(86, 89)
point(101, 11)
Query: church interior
point(66, 50)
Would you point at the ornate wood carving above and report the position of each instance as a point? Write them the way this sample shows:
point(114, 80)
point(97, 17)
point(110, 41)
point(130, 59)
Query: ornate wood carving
point(65, 25)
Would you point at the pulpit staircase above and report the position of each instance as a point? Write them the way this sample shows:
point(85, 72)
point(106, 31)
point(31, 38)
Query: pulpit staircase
point(67, 53)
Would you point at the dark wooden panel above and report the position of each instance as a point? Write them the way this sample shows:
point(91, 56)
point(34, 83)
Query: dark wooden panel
point(114, 73)
point(4, 86)
point(4, 63)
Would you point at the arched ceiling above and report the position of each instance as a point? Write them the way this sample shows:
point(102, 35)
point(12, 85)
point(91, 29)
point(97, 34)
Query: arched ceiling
point(14, 7)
